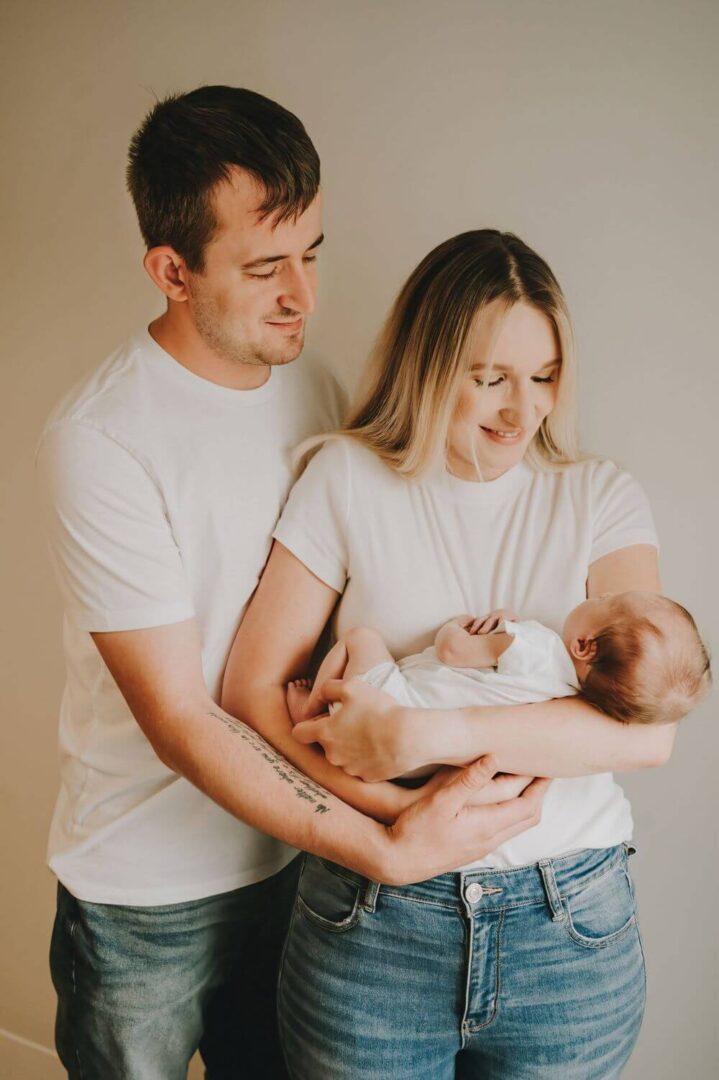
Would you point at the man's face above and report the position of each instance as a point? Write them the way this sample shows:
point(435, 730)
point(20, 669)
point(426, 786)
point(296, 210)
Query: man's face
point(259, 280)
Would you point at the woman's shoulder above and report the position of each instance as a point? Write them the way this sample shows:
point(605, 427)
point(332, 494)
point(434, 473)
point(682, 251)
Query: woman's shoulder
point(597, 488)
point(343, 453)
point(591, 472)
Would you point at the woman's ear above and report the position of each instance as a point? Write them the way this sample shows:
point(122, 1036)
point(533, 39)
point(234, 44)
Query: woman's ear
point(168, 271)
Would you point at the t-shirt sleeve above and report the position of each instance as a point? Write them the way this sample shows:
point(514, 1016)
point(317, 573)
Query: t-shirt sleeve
point(111, 544)
point(621, 513)
point(537, 656)
point(315, 521)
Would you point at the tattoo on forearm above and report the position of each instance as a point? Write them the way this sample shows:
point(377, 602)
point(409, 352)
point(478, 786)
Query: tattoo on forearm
point(304, 788)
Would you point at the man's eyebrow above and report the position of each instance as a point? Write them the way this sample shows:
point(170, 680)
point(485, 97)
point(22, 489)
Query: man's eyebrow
point(504, 370)
point(264, 259)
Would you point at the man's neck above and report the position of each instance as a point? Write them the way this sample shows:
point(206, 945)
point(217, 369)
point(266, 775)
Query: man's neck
point(182, 342)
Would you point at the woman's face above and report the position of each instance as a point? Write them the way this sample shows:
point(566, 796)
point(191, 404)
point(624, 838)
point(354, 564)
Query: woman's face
point(496, 417)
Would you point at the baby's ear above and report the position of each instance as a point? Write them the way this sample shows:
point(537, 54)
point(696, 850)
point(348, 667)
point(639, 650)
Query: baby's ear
point(584, 649)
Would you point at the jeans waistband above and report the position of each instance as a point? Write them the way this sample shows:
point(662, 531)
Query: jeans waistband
point(549, 880)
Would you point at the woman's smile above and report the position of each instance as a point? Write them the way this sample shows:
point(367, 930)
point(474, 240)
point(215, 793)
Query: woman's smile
point(502, 436)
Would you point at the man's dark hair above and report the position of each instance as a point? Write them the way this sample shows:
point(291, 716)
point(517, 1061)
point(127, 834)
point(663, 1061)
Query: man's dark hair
point(189, 143)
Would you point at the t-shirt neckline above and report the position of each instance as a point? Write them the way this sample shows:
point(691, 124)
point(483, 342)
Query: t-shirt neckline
point(481, 492)
point(199, 385)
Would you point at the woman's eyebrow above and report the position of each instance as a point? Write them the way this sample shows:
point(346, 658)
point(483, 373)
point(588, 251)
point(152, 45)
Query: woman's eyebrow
point(504, 369)
point(263, 259)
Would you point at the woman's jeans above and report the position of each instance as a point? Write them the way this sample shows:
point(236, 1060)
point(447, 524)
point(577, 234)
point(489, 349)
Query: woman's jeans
point(140, 988)
point(499, 975)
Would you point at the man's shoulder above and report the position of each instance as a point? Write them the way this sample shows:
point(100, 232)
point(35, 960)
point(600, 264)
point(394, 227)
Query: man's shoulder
point(102, 396)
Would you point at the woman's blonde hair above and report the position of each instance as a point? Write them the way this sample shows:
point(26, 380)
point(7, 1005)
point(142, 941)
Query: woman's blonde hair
point(405, 403)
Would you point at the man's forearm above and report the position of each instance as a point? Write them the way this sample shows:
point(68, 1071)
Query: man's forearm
point(264, 707)
point(565, 737)
point(239, 770)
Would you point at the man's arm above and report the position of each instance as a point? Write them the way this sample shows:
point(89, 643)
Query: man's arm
point(159, 673)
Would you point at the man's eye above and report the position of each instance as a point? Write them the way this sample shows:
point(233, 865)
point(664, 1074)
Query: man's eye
point(272, 273)
point(309, 258)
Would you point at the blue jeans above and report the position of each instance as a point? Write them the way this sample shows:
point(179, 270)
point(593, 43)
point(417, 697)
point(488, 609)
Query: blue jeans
point(141, 988)
point(500, 975)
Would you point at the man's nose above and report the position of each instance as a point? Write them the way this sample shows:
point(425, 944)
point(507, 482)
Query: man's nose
point(299, 291)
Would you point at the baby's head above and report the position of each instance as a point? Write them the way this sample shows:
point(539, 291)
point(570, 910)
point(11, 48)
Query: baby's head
point(638, 656)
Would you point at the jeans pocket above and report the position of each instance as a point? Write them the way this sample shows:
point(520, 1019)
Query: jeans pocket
point(327, 898)
point(603, 911)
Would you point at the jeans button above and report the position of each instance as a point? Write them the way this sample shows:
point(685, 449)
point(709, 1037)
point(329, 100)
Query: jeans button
point(473, 893)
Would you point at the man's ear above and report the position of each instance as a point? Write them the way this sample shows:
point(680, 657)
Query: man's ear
point(584, 649)
point(168, 271)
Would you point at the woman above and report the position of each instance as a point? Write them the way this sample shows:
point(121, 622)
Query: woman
point(458, 487)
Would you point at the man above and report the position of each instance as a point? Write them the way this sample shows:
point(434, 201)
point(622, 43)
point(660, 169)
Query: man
point(165, 471)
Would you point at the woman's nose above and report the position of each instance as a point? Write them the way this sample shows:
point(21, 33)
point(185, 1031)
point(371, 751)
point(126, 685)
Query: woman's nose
point(519, 410)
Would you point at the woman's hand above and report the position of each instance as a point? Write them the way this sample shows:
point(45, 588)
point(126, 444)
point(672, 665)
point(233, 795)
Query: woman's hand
point(368, 736)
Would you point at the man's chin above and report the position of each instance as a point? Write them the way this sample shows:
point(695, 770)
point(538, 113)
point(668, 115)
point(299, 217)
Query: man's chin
point(290, 350)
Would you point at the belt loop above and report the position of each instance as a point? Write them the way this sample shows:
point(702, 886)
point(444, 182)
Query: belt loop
point(546, 869)
point(369, 896)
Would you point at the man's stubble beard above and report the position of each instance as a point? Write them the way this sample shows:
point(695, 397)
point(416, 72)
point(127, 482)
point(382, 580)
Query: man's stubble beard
point(209, 326)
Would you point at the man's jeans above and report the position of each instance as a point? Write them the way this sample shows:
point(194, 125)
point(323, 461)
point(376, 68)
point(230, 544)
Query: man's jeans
point(535, 972)
point(140, 988)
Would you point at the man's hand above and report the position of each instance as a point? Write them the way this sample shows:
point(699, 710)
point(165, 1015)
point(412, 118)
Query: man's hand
point(446, 829)
point(366, 737)
point(501, 788)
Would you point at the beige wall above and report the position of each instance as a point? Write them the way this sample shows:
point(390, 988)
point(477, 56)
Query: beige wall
point(589, 128)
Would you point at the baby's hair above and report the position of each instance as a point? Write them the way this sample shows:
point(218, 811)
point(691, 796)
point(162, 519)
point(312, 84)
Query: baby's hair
point(648, 672)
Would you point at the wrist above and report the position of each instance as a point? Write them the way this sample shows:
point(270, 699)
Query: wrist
point(420, 738)
point(463, 735)
point(375, 858)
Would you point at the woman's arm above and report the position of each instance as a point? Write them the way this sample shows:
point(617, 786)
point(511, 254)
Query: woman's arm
point(554, 738)
point(273, 645)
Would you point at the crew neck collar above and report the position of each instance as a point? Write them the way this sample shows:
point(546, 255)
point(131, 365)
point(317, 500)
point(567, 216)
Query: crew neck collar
point(199, 385)
point(481, 492)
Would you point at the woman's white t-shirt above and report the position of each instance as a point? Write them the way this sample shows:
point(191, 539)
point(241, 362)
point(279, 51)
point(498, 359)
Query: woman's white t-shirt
point(409, 555)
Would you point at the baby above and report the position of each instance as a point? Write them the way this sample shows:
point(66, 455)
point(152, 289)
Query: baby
point(636, 656)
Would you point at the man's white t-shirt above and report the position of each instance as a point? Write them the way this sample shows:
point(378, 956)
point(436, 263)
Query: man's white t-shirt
point(408, 555)
point(163, 490)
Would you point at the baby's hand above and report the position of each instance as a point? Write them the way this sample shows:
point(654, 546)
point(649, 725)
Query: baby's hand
point(487, 624)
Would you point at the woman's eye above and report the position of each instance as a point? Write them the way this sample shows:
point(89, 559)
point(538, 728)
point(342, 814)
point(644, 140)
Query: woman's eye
point(492, 382)
point(545, 379)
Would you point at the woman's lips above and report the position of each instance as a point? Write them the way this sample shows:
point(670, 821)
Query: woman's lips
point(506, 437)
